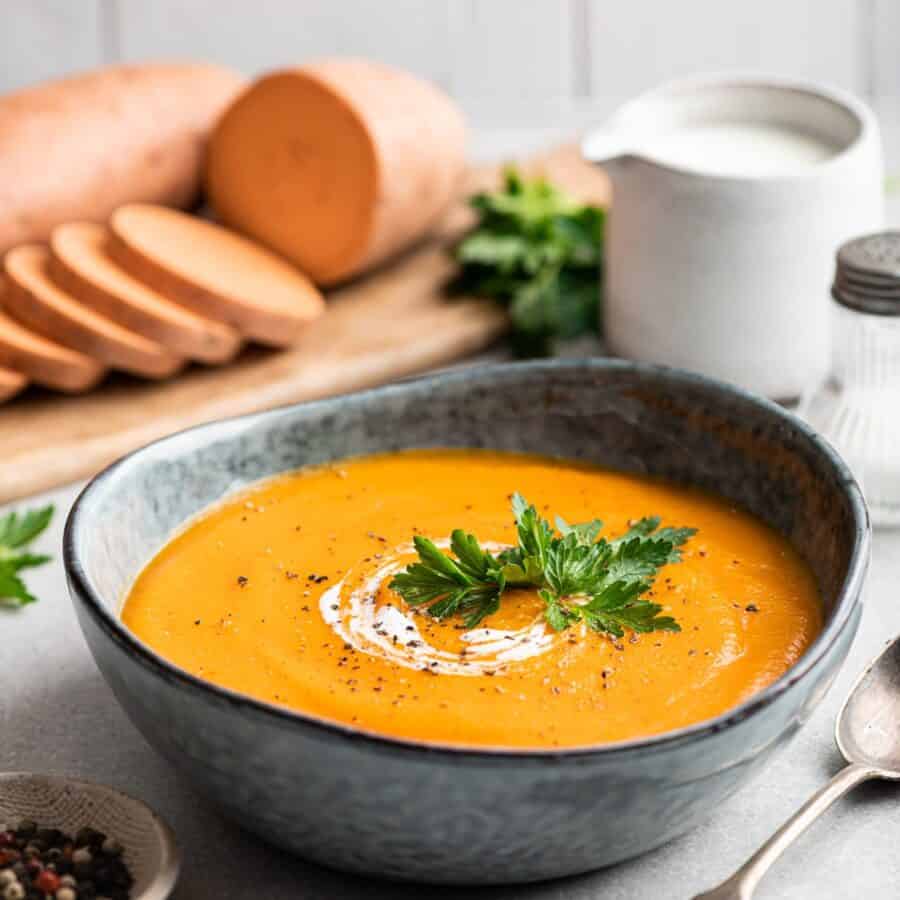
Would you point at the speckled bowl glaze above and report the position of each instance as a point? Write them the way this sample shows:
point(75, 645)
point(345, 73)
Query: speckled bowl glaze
point(402, 809)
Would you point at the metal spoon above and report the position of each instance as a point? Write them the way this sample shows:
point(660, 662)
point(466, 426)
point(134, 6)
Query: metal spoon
point(868, 736)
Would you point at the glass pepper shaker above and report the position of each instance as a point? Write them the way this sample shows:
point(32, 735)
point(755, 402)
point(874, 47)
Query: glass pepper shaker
point(858, 408)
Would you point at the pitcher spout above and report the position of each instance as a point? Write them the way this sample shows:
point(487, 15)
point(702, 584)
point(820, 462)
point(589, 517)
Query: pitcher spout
point(609, 147)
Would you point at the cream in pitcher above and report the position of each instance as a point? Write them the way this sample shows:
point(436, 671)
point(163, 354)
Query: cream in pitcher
point(730, 196)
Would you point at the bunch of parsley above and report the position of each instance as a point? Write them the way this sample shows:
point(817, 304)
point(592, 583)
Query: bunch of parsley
point(538, 251)
point(16, 533)
point(580, 576)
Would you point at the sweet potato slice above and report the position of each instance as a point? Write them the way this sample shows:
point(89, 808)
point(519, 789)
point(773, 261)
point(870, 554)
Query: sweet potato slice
point(36, 301)
point(11, 383)
point(336, 165)
point(81, 265)
point(44, 362)
point(215, 272)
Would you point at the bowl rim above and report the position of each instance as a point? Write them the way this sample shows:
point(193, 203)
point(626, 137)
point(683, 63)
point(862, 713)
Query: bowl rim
point(848, 599)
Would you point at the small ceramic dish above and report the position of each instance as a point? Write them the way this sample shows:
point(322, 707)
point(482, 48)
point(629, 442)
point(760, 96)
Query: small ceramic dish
point(404, 809)
point(53, 801)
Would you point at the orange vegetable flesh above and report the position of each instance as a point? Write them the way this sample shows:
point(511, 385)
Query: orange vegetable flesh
point(80, 264)
point(241, 598)
point(337, 165)
point(11, 383)
point(292, 133)
point(39, 303)
point(43, 361)
point(215, 272)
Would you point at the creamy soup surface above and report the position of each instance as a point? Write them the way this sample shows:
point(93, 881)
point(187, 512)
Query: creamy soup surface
point(282, 593)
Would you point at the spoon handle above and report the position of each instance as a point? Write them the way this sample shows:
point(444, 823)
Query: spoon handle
point(742, 884)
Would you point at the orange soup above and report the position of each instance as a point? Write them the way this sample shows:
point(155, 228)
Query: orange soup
point(284, 593)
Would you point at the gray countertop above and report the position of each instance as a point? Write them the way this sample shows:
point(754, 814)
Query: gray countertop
point(57, 715)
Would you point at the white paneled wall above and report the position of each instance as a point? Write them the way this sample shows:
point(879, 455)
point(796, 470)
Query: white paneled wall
point(512, 63)
point(513, 50)
point(884, 34)
point(648, 40)
point(254, 35)
point(46, 38)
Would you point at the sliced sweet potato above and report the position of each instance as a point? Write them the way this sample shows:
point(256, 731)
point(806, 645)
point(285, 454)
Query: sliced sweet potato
point(11, 383)
point(36, 301)
point(44, 362)
point(81, 265)
point(336, 165)
point(215, 272)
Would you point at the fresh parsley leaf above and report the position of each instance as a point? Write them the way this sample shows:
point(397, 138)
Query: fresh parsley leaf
point(574, 567)
point(636, 560)
point(535, 533)
point(677, 537)
point(640, 528)
point(520, 570)
point(580, 575)
point(585, 533)
point(25, 561)
point(538, 251)
point(617, 607)
point(474, 561)
point(559, 617)
point(16, 532)
point(469, 585)
point(12, 589)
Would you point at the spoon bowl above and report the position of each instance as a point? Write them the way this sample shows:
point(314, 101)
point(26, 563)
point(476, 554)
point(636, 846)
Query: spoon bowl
point(53, 801)
point(868, 727)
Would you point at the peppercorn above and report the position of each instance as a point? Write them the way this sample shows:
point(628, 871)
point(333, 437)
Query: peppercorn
point(111, 847)
point(48, 882)
point(43, 863)
point(82, 855)
point(88, 837)
point(49, 836)
point(14, 891)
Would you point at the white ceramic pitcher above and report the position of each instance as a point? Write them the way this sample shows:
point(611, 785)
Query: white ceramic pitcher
point(728, 273)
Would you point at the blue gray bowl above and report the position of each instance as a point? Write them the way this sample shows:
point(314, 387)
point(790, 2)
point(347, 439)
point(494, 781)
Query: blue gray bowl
point(402, 809)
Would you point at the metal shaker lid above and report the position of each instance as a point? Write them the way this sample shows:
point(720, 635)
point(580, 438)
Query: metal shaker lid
point(867, 277)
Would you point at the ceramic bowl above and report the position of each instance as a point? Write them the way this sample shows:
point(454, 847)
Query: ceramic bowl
point(403, 809)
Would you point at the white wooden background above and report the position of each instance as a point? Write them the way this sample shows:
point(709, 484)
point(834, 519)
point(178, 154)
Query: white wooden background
point(513, 64)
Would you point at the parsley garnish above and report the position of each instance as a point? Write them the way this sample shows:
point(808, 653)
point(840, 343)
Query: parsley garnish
point(580, 576)
point(16, 533)
point(537, 250)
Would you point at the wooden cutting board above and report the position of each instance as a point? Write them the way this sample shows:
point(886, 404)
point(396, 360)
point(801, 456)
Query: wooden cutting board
point(392, 323)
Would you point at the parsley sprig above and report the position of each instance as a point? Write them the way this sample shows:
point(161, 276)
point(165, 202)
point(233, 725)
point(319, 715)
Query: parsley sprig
point(538, 251)
point(16, 533)
point(580, 575)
